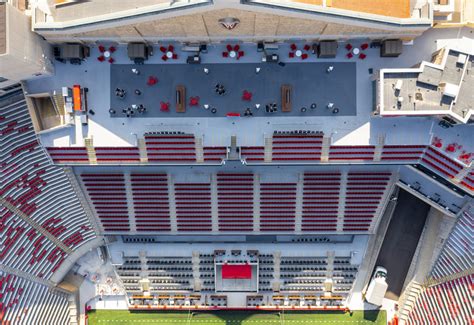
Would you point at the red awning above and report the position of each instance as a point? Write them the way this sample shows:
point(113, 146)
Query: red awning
point(237, 271)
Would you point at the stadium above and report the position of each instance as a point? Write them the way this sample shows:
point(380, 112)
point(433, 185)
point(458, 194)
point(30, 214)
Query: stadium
point(236, 162)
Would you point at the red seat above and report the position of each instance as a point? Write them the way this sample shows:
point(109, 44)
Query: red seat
point(175, 56)
point(194, 101)
point(348, 47)
point(349, 55)
point(293, 47)
point(304, 56)
point(101, 49)
point(101, 58)
point(307, 47)
point(229, 47)
point(362, 56)
point(111, 60)
point(291, 54)
point(170, 48)
point(164, 58)
point(112, 49)
point(241, 54)
point(225, 54)
point(364, 46)
point(152, 81)
point(163, 49)
point(247, 95)
point(236, 47)
point(164, 107)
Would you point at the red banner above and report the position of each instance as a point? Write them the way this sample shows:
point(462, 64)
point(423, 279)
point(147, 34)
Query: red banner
point(236, 271)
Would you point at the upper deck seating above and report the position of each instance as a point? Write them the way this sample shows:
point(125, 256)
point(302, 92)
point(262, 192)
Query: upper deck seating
point(351, 152)
point(298, 145)
point(170, 148)
point(193, 206)
point(277, 206)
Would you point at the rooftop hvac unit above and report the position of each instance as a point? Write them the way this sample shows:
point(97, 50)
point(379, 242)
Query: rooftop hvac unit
point(451, 90)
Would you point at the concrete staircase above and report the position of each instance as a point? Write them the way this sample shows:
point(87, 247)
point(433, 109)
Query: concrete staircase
point(214, 204)
point(408, 300)
point(89, 143)
point(463, 173)
point(73, 314)
point(325, 149)
point(268, 153)
point(299, 203)
point(342, 202)
point(199, 149)
point(379, 147)
point(172, 204)
point(142, 151)
point(196, 273)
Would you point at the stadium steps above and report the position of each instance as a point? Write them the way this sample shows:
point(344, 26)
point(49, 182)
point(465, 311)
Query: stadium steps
point(58, 103)
point(379, 147)
point(326, 145)
point(268, 153)
point(199, 149)
point(90, 151)
point(299, 203)
point(463, 173)
point(172, 205)
point(73, 319)
point(142, 150)
point(408, 300)
point(214, 204)
point(342, 202)
point(256, 203)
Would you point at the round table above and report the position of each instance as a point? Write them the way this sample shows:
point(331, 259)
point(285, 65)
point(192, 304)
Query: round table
point(298, 53)
point(107, 54)
point(232, 54)
point(355, 50)
point(169, 54)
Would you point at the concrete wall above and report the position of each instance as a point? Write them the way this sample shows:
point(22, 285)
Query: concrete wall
point(25, 54)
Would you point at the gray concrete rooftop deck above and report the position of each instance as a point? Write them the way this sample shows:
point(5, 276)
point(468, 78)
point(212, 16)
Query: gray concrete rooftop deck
point(310, 83)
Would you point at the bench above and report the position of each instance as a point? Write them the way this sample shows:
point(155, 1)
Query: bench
point(180, 99)
point(286, 98)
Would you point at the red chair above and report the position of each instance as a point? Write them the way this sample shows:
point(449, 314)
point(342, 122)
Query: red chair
point(304, 56)
point(236, 47)
point(101, 58)
point(225, 54)
point(111, 60)
point(348, 47)
point(229, 47)
point(101, 49)
point(170, 48)
point(164, 107)
point(291, 54)
point(362, 56)
point(175, 56)
point(112, 49)
point(349, 55)
point(164, 57)
point(194, 101)
point(163, 49)
point(307, 47)
point(240, 54)
point(152, 81)
point(293, 47)
point(364, 46)
point(247, 95)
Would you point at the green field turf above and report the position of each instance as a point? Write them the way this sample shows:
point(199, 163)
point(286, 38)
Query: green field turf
point(235, 318)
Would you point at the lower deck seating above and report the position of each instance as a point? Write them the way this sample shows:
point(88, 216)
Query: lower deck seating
point(193, 206)
point(24, 302)
point(445, 303)
point(456, 255)
point(277, 207)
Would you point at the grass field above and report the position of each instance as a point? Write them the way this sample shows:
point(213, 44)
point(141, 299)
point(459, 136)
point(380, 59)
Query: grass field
point(121, 317)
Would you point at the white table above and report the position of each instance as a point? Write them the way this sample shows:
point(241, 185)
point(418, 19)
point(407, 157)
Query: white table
point(107, 54)
point(298, 53)
point(232, 54)
point(355, 50)
point(169, 54)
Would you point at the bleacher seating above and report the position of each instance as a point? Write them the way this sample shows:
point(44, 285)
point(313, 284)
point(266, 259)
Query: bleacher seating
point(320, 201)
point(294, 146)
point(25, 302)
point(117, 154)
point(235, 201)
point(40, 190)
point(440, 163)
point(193, 206)
point(170, 148)
point(151, 202)
point(250, 154)
point(215, 154)
point(402, 153)
point(68, 155)
point(446, 303)
point(277, 207)
point(107, 193)
point(364, 193)
point(468, 181)
point(303, 273)
point(456, 255)
point(351, 152)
